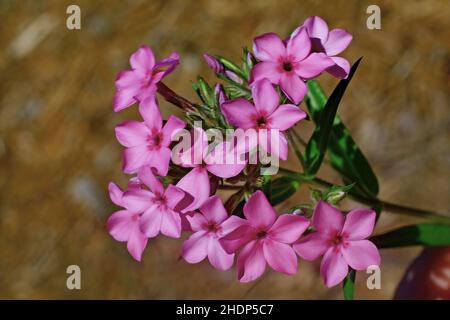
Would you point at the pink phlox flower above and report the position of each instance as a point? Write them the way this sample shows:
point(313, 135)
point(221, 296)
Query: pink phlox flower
point(139, 83)
point(264, 238)
point(341, 240)
point(147, 143)
point(208, 226)
point(288, 65)
point(265, 113)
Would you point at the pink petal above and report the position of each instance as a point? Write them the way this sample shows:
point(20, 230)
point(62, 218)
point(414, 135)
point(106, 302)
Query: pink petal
point(251, 263)
point(167, 64)
point(274, 142)
point(160, 160)
point(171, 223)
point(268, 70)
point(174, 196)
point(136, 157)
point(265, 97)
point(231, 224)
point(136, 243)
point(299, 45)
point(146, 176)
point(127, 78)
point(288, 228)
point(314, 65)
point(213, 210)
point(237, 238)
point(333, 268)
point(359, 224)
point(293, 87)
point(327, 219)
point(143, 59)
point(239, 112)
point(286, 116)
point(115, 193)
point(138, 200)
point(268, 47)
point(123, 98)
point(280, 256)
point(196, 221)
point(131, 133)
point(150, 222)
point(120, 225)
point(317, 28)
point(312, 246)
point(196, 183)
point(340, 69)
point(149, 111)
point(338, 41)
point(223, 161)
point(195, 248)
point(259, 211)
point(171, 128)
point(217, 255)
point(192, 155)
point(361, 254)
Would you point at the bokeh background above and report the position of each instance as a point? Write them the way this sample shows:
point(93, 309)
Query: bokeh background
point(58, 151)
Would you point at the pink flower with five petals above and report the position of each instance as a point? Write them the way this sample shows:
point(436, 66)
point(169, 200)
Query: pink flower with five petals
point(264, 238)
point(288, 64)
point(266, 113)
point(341, 240)
point(147, 143)
point(139, 83)
point(208, 226)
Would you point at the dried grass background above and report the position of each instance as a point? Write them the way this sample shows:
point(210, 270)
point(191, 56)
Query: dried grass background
point(58, 151)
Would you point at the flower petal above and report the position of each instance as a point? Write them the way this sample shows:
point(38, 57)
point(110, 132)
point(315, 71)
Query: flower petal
point(138, 200)
point(327, 219)
point(149, 111)
point(136, 157)
point(223, 161)
point(251, 263)
point(136, 243)
point(115, 193)
point(338, 41)
point(340, 69)
point(239, 112)
point(361, 254)
point(333, 268)
point(280, 256)
point(213, 210)
point(288, 228)
point(127, 78)
point(171, 223)
point(293, 87)
point(317, 28)
point(237, 238)
point(196, 221)
point(359, 224)
point(266, 70)
point(299, 44)
point(160, 160)
point(150, 222)
point(268, 47)
point(286, 116)
point(218, 257)
point(123, 98)
point(131, 133)
point(143, 59)
point(146, 176)
point(314, 65)
point(265, 97)
point(259, 211)
point(274, 142)
point(173, 196)
point(231, 224)
point(195, 248)
point(170, 129)
point(167, 65)
point(196, 183)
point(312, 246)
point(120, 225)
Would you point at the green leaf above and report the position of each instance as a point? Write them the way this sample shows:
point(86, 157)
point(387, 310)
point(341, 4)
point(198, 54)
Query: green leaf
point(205, 92)
point(229, 65)
point(345, 155)
point(415, 235)
point(317, 145)
point(281, 189)
point(349, 285)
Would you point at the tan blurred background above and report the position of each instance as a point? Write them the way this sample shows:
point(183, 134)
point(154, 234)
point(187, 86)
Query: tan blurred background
point(58, 151)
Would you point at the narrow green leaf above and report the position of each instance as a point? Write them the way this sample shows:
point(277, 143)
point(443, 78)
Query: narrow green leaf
point(415, 235)
point(229, 65)
point(345, 155)
point(349, 285)
point(281, 189)
point(317, 145)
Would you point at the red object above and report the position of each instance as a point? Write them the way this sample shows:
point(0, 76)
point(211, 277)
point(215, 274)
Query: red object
point(428, 276)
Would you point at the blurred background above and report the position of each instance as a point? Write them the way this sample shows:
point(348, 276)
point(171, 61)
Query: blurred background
point(58, 151)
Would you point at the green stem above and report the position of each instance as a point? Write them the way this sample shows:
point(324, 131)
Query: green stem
point(388, 206)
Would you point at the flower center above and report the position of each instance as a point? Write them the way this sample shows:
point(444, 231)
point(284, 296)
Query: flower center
point(287, 66)
point(261, 234)
point(212, 227)
point(160, 199)
point(337, 239)
point(155, 139)
point(136, 217)
point(261, 122)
